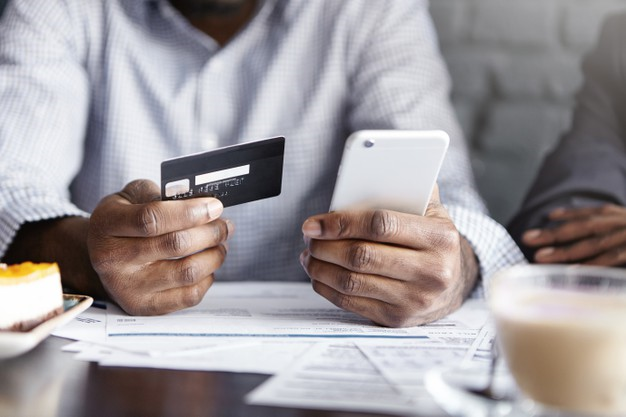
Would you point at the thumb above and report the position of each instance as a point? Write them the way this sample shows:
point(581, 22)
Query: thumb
point(141, 191)
point(435, 208)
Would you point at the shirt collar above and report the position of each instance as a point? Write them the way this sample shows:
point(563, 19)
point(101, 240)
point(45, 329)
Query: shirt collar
point(262, 7)
point(165, 8)
point(260, 3)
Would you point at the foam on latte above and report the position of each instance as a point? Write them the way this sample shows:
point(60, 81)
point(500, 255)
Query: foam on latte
point(566, 349)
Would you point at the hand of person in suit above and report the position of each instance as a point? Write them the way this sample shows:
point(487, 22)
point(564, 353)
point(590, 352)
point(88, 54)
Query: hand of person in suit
point(591, 235)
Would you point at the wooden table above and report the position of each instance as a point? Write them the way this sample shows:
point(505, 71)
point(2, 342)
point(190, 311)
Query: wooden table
point(49, 383)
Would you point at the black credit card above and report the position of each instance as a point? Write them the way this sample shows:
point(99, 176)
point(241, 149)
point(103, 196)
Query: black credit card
point(234, 174)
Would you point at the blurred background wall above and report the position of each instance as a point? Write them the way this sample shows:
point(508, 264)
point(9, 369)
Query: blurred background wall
point(515, 65)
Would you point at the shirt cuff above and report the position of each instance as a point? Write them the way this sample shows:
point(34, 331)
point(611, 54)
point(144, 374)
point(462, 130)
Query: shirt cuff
point(36, 208)
point(492, 244)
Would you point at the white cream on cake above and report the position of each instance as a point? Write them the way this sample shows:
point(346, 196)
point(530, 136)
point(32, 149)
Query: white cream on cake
point(29, 294)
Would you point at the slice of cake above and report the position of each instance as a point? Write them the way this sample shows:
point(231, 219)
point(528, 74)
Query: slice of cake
point(29, 294)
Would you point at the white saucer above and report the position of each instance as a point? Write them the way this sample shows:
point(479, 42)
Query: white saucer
point(15, 343)
point(454, 390)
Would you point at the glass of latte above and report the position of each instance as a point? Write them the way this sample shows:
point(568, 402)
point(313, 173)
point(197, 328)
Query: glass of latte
point(562, 332)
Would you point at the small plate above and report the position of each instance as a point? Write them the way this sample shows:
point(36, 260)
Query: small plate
point(16, 343)
point(456, 391)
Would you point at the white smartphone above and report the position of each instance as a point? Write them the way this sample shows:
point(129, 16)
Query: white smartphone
point(389, 169)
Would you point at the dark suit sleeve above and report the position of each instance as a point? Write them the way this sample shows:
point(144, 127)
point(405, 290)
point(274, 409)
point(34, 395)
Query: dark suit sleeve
point(588, 167)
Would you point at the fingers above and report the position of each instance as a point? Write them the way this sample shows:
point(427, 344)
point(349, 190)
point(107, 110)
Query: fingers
point(615, 257)
point(381, 312)
point(435, 208)
point(591, 234)
point(376, 310)
point(391, 285)
point(155, 256)
point(365, 282)
point(189, 270)
point(175, 244)
point(351, 283)
point(141, 191)
point(172, 273)
point(567, 232)
point(384, 226)
point(394, 268)
point(607, 249)
point(137, 212)
point(167, 285)
point(586, 212)
point(578, 224)
point(359, 256)
point(174, 299)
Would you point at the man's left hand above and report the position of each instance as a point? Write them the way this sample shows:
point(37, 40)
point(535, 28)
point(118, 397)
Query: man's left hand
point(394, 268)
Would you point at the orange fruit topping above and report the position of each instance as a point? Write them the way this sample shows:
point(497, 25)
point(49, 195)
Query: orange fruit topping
point(28, 269)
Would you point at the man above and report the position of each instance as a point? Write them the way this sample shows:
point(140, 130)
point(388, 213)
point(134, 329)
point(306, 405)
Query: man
point(575, 212)
point(96, 93)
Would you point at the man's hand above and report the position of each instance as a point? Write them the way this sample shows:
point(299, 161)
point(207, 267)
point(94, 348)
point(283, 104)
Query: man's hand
point(396, 269)
point(154, 256)
point(593, 236)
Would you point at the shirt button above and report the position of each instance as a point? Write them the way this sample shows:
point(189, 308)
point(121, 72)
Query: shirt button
point(216, 65)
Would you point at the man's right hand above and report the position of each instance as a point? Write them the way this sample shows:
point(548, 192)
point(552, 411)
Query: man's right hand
point(154, 256)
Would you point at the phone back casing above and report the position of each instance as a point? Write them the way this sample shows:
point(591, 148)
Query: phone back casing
point(389, 169)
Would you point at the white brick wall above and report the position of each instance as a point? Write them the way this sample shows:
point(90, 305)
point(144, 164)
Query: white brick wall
point(515, 66)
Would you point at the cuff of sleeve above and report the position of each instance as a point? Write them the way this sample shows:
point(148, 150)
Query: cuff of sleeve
point(492, 244)
point(13, 216)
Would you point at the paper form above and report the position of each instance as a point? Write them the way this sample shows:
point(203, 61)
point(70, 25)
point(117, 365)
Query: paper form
point(481, 349)
point(322, 357)
point(404, 363)
point(88, 326)
point(265, 357)
point(266, 310)
point(334, 376)
point(366, 375)
point(251, 310)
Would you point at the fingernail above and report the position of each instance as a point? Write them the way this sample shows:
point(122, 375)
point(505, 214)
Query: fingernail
point(312, 228)
point(532, 234)
point(230, 226)
point(544, 253)
point(302, 257)
point(557, 211)
point(215, 208)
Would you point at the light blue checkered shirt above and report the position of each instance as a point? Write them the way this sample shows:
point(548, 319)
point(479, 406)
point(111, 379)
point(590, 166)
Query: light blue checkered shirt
point(95, 93)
